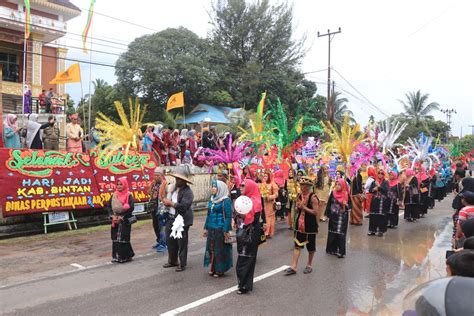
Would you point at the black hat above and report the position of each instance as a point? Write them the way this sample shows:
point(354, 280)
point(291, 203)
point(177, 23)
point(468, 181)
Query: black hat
point(468, 196)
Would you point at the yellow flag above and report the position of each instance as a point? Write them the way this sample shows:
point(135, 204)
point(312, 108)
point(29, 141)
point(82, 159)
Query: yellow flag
point(175, 101)
point(72, 74)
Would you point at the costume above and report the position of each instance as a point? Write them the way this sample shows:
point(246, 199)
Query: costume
point(120, 209)
point(293, 189)
point(11, 139)
point(337, 210)
point(269, 193)
point(218, 254)
point(74, 134)
point(412, 198)
point(395, 196)
point(306, 225)
point(358, 198)
point(378, 207)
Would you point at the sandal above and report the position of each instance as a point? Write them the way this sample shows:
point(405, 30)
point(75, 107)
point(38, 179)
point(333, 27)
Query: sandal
point(169, 265)
point(307, 270)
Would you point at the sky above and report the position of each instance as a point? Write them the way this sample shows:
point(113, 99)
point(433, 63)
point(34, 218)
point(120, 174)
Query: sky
point(385, 50)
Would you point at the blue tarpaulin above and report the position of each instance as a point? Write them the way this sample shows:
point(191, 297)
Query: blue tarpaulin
point(205, 113)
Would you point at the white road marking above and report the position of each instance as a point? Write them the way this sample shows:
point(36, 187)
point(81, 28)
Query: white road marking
point(209, 298)
point(77, 265)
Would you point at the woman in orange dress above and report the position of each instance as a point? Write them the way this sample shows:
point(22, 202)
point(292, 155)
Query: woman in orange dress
point(269, 191)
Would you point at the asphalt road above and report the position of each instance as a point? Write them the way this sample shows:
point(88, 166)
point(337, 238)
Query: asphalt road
point(371, 280)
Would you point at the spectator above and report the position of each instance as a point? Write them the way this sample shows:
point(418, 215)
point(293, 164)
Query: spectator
point(51, 135)
point(42, 99)
point(33, 139)
point(27, 100)
point(11, 137)
point(74, 134)
point(49, 100)
point(461, 264)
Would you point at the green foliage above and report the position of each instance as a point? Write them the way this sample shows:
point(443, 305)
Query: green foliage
point(430, 127)
point(466, 144)
point(416, 108)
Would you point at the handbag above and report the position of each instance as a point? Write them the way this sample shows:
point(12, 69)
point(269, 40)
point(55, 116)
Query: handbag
point(263, 237)
point(231, 239)
point(244, 234)
point(132, 219)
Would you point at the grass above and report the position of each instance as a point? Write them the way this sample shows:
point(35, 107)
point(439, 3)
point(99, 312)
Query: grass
point(78, 232)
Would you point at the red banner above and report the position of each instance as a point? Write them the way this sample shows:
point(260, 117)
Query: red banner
point(35, 181)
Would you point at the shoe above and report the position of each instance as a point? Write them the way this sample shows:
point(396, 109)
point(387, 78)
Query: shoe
point(155, 246)
point(290, 271)
point(169, 265)
point(161, 248)
point(307, 270)
point(124, 260)
point(371, 234)
point(242, 291)
point(340, 256)
point(114, 260)
point(218, 275)
point(180, 269)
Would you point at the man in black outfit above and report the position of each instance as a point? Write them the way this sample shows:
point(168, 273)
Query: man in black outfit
point(180, 204)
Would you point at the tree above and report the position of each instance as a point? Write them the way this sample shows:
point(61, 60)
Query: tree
point(416, 107)
point(102, 101)
point(340, 109)
point(158, 65)
point(258, 52)
point(430, 127)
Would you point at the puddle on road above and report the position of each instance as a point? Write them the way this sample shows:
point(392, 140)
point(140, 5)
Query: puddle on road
point(421, 258)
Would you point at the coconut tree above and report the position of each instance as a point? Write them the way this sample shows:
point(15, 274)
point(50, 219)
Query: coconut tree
point(340, 109)
point(417, 108)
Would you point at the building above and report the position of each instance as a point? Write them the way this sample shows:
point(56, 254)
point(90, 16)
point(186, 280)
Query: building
point(45, 51)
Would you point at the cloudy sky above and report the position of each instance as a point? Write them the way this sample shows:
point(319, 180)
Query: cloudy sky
point(386, 48)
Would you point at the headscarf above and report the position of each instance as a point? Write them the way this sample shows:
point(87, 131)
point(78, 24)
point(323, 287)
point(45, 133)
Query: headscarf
point(32, 128)
point(191, 133)
point(410, 173)
point(123, 195)
point(279, 178)
point(252, 191)
point(378, 179)
point(421, 176)
point(222, 191)
point(342, 196)
point(184, 133)
point(371, 172)
point(395, 180)
point(9, 121)
point(158, 131)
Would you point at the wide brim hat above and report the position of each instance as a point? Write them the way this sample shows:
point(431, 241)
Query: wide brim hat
point(183, 174)
point(305, 180)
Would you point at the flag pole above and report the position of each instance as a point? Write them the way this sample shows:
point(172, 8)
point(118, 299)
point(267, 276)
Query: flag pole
point(24, 76)
point(184, 117)
point(90, 86)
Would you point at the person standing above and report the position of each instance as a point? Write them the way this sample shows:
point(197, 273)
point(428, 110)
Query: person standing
point(424, 183)
point(371, 176)
point(379, 205)
point(357, 198)
point(33, 134)
point(42, 99)
point(247, 250)
point(269, 191)
point(158, 214)
point(148, 138)
point(27, 100)
point(292, 187)
point(306, 225)
point(323, 189)
point(49, 100)
point(51, 135)
point(180, 204)
point(395, 196)
point(218, 254)
point(120, 209)
point(11, 137)
point(337, 210)
point(74, 134)
point(412, 197)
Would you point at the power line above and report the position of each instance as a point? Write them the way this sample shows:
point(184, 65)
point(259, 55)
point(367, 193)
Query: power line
point(366, 99)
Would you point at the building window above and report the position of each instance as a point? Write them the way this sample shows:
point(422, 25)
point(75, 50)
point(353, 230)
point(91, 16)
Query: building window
point(10, 67)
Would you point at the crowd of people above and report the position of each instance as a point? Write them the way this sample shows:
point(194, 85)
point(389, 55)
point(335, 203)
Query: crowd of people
point(302, 200)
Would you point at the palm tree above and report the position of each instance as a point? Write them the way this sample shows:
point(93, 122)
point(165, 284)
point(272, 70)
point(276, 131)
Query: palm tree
point(416, 107)
point(340, 109)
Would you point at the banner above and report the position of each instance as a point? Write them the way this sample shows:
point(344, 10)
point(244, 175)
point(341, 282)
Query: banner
point(35, 181)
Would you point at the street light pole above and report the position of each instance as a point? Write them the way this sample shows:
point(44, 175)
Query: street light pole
point(448, 113)
point(330, 36)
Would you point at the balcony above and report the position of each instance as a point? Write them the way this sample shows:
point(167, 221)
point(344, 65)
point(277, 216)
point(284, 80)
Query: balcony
point(51, 29)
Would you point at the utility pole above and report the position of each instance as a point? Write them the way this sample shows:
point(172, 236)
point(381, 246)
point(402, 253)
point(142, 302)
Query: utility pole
point(472, 129)
point(330, 35)
point(448, 113)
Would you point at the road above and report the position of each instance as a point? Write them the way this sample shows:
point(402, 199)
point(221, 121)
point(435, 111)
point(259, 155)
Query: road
point(371, 280)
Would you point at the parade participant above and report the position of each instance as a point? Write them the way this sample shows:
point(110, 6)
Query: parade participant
point(180, 204)
point(299, 174)
point(11, 137)
point(51, 135)
point(337, 208)
point(74, 134)
point(191, 142)
point(159, 145)
point(222, 175)
point(33, 134)
point(234, 188)
point(292, 188)
point(282, 198)
point(306, 225)
point(395, 195)
point(423, 183)
point(247, 251)
point(158, 215)
point(173, 147)
point(166, 145)
point(323, 189)
point(120, 209)
point(412, 197)
point(379, 205)
point(187, 159)
point(432, 189)
point(148, 138)
point(269, 191)
point(357, 198)
point(371, 176)
point(218, 254)
point(183, 143)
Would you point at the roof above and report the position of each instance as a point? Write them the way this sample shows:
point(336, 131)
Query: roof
point(65, 3)
point(210, 114)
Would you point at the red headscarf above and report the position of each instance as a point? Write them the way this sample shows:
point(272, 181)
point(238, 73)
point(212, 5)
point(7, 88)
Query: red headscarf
point(394, 181)
point(252, 191)
point(371, 172)
point(123, 195)
point(342, 196)
point(279, 178)
point(410, 172)
point(421, 176)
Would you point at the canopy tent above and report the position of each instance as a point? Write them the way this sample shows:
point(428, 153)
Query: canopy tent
point(205, 113)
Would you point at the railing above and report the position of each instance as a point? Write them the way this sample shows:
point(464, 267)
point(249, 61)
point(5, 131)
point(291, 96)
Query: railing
point(36, 20)
point(58, 106)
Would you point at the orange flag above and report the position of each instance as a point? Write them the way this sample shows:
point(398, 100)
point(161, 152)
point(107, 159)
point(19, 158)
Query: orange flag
point(72, 74)
point(175, 101)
